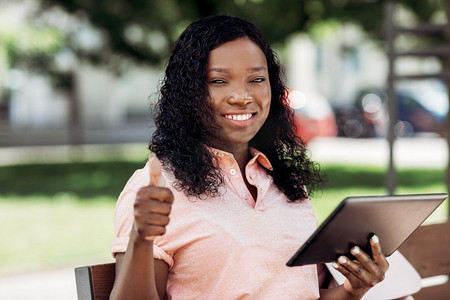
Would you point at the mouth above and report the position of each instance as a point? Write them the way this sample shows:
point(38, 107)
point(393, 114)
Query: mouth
point(241, 117)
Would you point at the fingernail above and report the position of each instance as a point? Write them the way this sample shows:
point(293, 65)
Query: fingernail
point(355, 250)
point(342, 260)
point(375, 239)
point(335, 265)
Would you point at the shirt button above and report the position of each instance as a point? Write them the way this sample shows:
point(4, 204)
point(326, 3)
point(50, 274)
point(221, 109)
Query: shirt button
point(245, 196)
point(232, 172)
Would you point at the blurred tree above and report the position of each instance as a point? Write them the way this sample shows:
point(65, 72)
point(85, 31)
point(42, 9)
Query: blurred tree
point(29, 46)
point(26, 46)
point(144, 30)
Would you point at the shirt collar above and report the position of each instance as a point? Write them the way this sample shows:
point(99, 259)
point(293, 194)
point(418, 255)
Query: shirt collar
point(257, 156)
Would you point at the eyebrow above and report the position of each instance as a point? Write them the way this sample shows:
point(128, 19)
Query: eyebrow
point(219, 70)
point(226, 71)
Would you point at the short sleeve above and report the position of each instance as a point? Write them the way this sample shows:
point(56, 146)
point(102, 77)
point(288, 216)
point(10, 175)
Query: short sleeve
point(159, 253)
point(123, 220)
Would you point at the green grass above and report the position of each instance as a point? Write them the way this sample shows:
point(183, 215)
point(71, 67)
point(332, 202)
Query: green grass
point(346, 181)
point(324, 203)
point(38, 232)
point(59, 215)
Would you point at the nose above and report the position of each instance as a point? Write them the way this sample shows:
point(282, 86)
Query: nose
point(241, 97)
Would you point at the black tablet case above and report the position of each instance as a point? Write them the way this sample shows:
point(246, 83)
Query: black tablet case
point(356, 219)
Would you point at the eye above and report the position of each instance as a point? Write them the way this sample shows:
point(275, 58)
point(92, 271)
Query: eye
point(258, 80)
point(216, 81)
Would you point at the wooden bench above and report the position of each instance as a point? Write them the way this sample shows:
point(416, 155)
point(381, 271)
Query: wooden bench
point(428, 250)
point(95, 282)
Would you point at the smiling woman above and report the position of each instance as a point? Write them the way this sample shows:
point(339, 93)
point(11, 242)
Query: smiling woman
point(196, 78)
point(226, 202)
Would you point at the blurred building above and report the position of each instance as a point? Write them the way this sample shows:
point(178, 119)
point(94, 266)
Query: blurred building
point(343, 62)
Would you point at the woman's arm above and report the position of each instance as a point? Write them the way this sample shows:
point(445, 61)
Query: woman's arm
point(362, 274)
point(138, 274)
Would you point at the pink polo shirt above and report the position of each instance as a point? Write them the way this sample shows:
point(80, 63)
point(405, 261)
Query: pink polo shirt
point(231, 246)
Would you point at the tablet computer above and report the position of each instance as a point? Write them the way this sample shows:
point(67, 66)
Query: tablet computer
point(356, 219)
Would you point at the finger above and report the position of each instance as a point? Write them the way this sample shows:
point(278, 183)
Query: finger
point(365, 268)
point(156, 178)
point(156, 193)
point(377, 253)
point(342, 265)
point(150, 232)
point(157, 206)
point(352, 267)
point(359, 281)
point(155, 219)
point(364, 259)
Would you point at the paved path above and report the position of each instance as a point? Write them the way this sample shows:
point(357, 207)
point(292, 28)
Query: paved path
point(60, 284)
point(412, 152)
point(46, 285)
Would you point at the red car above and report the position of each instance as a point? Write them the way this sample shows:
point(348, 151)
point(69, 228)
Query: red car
point(314, 116)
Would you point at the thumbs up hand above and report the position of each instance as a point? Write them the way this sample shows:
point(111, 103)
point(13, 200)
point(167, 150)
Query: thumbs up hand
point(153, 204)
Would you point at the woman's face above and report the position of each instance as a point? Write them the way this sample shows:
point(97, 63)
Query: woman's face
point(239, 87)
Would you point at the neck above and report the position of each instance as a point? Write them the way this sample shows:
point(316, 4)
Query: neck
point(239, 151)
point(242, 157)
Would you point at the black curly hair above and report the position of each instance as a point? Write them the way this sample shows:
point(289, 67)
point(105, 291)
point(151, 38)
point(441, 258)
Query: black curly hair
point(184, 117)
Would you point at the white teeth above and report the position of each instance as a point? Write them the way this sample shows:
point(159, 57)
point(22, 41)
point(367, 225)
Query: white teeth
point(243, 117)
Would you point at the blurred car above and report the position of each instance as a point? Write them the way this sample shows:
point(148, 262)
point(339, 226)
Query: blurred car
point(421, 107)
point(314, 116)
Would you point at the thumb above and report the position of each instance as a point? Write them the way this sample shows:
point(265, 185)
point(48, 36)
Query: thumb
point(156, 178)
